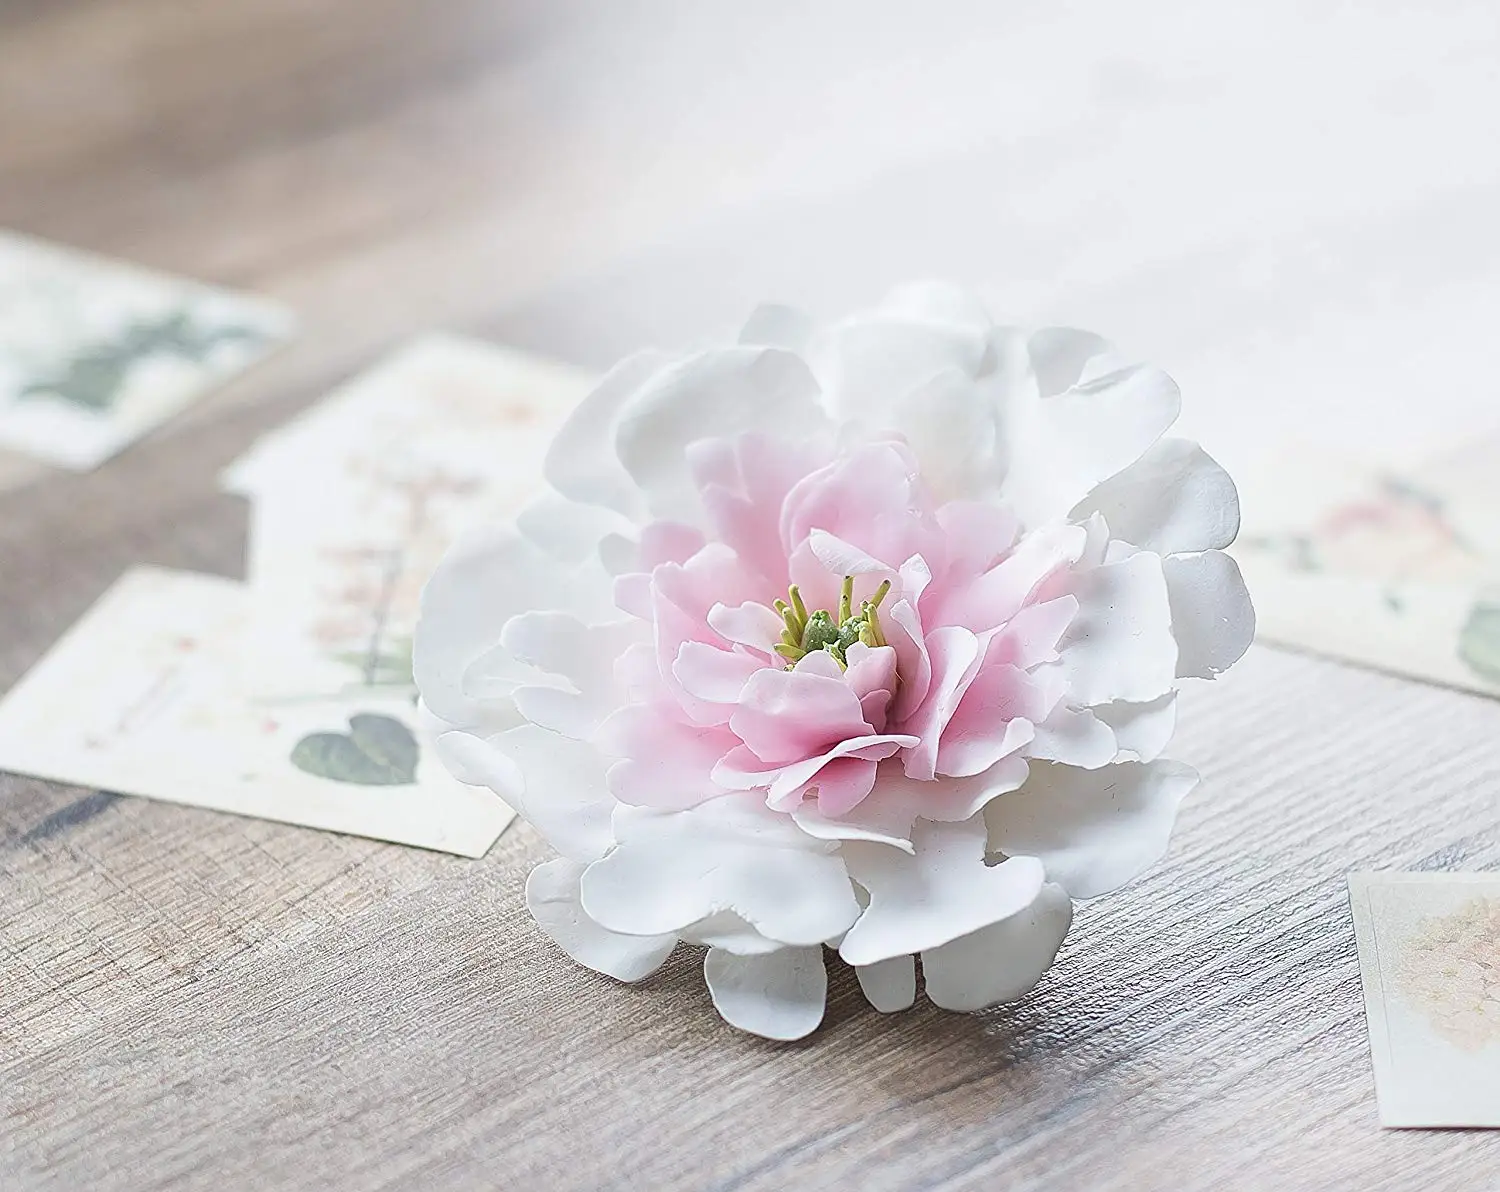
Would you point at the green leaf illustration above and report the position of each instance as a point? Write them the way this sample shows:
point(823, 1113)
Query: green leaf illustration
point(95, 376)
point(1479, 643)
point(376, 751)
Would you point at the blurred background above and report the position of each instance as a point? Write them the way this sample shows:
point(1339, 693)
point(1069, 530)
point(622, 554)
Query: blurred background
point(1289, 205)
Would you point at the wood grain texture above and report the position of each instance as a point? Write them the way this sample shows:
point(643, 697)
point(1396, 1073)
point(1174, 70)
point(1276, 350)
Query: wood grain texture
point(192, 1001)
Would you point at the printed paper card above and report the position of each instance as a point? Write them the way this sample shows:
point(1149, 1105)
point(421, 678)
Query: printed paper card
point(93, 353)
point(355, 502)
point(143, 696)
point(1397, 570)
point(1429, 956)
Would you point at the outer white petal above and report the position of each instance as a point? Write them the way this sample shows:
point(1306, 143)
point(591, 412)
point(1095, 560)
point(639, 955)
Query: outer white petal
point(778, 995)
point(944, 891)
point(1212, 617)
point(868, 363)
point(1072, 441)
point(775, 326)
point(486, 578)
point(1174, 498)
point(714, 394)
point(582, 655)
point(889, 985)
point(567, 529)
point(727, 931)
point(898, 801)
point(552, 896)
point(1002, 962)
point(672, 869)
point(581, 462)
point(952, 428)
point(1061, 357)
point(1141, 731)
point(1120, 645)
point(555, 784)
point(1076, 736)
point(1094, 830)
point(875, 819)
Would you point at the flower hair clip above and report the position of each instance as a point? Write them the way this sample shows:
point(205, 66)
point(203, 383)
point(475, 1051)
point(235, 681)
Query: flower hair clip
point(863, 638)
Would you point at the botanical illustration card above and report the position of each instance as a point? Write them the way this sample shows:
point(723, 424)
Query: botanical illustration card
point(144, 697)
point(1394, 569)
point(93, 353)
point(1429, 956)
point(355, 502)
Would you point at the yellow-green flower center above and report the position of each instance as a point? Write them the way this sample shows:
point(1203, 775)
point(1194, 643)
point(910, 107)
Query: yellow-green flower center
point(805, 632)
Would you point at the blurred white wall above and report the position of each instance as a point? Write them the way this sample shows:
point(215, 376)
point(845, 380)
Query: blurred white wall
point(1295, 207)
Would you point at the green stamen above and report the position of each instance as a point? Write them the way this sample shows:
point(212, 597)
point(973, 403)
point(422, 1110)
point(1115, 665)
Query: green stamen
point(846, 599)
point(805, 631)
point(797, 604)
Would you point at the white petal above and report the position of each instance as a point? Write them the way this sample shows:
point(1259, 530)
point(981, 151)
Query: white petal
point(581, 462)
point(944, 891)
point(951, 426)
point(875, 818)
point(889, 985)
point(489, 576)
point(779, 995)
point(1141, 731)
point(671, 869)
point(583, 656)
point(555, 784)
point(1174, 498)
point(1075, 736)
point(898, 800)
point(1120, 645)
point(1072, 441)
point(867, 364)
point(727, 931)
point(775, 326)
point(1002, 962)
point(714, 394)
point(1094, 830)
point(1212, 617)
point(552, 896)
point(568, 530)
point(1061, 357)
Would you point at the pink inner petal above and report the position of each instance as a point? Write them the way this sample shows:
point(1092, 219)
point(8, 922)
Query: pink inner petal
point(785, 716)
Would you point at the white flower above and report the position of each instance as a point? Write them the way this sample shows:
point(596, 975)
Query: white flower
point(863, 638)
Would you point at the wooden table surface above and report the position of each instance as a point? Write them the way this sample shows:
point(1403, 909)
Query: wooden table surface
point(189, 1000)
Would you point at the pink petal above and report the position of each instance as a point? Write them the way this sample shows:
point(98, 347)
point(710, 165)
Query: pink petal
point(819, 662)
point(1030, 638)
point(903, 630)
point(870, 669)
point(668, 542)
point(999, 594)
point(955, 656)
point(842, 784)
point(664, 763)
point(979, 535)
point(792, 782)
point(995, 716)
point(715, 675)
point(785, 716)
point(871, 498)
point(744, 483)
point(748, 624)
